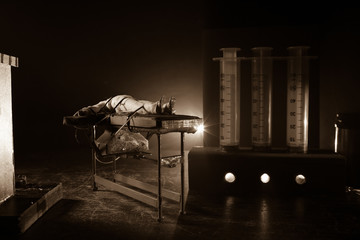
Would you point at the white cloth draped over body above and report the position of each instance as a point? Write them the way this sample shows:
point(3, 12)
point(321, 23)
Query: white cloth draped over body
point(126, 103)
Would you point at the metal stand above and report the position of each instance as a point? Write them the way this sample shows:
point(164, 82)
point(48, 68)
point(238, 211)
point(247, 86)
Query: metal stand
point(149, 124)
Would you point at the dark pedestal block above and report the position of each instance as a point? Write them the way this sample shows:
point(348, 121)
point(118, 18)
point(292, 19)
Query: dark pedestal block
point(323, 172)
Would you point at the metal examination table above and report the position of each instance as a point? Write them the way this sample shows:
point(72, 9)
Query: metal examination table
point(149, 125)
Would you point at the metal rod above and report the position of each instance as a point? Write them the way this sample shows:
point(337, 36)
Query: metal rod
point(93, 155)
point(142, 197)
point(114, 168)
point(175, 196)
point(159, 179)
point(182, 197)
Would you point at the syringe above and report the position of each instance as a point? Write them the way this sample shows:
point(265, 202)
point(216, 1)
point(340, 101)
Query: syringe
point(298, 99)
point(261, 86)
point(229, 98)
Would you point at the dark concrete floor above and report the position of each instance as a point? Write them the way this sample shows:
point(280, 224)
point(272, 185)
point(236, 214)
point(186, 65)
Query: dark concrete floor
point(87, 214)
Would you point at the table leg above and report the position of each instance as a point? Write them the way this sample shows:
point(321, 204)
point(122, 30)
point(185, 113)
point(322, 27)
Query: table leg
point(159, 179)
point(182, 175)
point(93, 158)
point(114, 169)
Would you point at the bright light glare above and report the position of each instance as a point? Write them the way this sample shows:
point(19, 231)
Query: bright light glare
point(300, 179)
point(229, 177)
point(265, 178)
point(200, 128)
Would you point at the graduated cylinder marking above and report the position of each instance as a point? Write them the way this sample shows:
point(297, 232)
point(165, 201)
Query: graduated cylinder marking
point(298, 99)
point(261, 80)
point(228, 101)
point(229, 98)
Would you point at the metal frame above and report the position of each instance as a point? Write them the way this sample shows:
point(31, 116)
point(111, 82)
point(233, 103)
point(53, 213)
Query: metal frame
point(158, 190)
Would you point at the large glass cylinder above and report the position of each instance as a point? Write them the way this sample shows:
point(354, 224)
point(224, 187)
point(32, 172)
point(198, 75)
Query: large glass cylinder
point(298, 99)
point(229, 98)
point(261, 86)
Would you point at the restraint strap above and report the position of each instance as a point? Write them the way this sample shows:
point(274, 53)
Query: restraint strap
point(120, 102)
point(105, 104)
